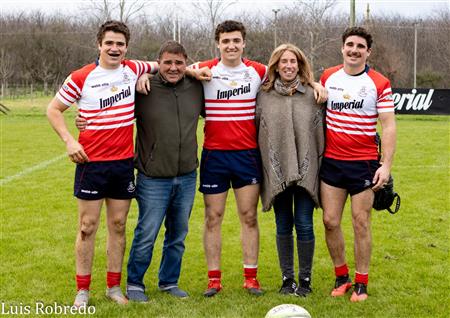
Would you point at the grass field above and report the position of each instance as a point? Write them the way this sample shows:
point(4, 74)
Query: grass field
point(409, 274)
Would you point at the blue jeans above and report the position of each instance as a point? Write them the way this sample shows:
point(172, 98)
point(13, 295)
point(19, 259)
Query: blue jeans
point(171, 200)
point(294, 206)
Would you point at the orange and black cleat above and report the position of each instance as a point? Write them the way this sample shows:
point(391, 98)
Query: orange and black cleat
point(359, 292)
point(341, 286)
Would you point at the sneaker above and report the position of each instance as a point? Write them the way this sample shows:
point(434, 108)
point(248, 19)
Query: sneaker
point(82, 298)
point(304, 287)
point(341, 286)
point(253, 287)
point(115, 294)
point(359, 292)
point(288, 287)
point(137, 296)
point(214, 286)
point(174, 291)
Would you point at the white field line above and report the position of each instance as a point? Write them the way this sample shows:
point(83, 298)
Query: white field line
point(44, 164)
point(24, 172)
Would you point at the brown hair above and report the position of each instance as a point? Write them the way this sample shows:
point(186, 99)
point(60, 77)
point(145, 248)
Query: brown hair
point(230, 26)
point(304, 69)
point(172, 47)
point(114, 26)
point(358, 31)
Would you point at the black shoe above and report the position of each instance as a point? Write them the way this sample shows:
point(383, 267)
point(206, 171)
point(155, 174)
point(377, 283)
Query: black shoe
point(288, 287)
point(304, 287)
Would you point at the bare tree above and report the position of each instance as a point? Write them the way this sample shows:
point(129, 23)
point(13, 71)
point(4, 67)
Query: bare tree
point(210, 12)
point(6, 69)
point(100, 10)
point(438, 44)
point(128, 9)
point(123, 10)
point(313, 20)
point(45, 48)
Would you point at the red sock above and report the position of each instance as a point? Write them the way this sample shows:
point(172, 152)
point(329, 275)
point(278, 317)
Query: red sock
point(250, 273)
point(113, 279)
point(83, 281)
point(215, 274)
point(362, 278)
point(341, 270)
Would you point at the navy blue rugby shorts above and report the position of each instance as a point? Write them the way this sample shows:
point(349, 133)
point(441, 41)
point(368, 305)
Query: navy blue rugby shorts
point(355, 176)
point(221, 168)
point(105, 179)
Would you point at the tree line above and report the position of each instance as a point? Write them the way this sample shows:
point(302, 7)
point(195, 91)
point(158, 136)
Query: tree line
point(42, 49)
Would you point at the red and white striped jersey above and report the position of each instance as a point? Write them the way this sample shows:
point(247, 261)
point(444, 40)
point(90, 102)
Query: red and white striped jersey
point(230, 99)
point(105, 98)
point(354, 103)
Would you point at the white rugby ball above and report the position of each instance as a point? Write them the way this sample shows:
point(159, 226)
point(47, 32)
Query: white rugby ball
point(288, 311)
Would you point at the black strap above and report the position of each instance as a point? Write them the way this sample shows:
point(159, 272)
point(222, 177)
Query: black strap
point(397, 204)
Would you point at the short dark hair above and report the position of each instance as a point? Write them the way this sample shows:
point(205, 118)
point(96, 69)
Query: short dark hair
point(172, 47)
point(230, 26)
point(114, 26)
point(358, 31)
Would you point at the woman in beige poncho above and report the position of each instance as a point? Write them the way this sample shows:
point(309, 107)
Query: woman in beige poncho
point(291, 141)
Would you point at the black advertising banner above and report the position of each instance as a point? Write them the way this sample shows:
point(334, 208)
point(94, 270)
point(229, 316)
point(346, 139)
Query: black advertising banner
point(421, 101)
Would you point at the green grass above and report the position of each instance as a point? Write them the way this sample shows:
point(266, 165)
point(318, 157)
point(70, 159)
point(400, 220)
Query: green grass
point(409, 275)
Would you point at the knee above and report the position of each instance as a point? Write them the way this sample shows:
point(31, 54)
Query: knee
point(117, 226)
point(284, 231)
point(88, 227)
point(305, 232)
point(213, 219)
point(361, 225)
point(331, 223)
point(250, 219)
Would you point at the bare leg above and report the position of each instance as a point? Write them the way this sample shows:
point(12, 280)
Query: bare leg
point(88, 220)
point(247, 202)
point(333, 201)
point(361, 208)
point(212, 241)
point(116, 218)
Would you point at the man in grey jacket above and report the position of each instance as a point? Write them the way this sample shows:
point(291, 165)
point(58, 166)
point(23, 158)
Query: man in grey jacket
point(166, 160)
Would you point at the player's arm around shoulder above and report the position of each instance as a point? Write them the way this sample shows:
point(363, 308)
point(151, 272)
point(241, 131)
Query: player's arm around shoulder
point(55, 116)
point(201, 71)
point(320, 92)
point(143, 85)
point(141, 67)
point(200, 74)
point(154, 67)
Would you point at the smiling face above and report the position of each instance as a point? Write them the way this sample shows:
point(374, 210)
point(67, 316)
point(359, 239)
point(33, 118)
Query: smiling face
point(112, 50)
point(172, 67)
point(355, 53)
point(287, 66)
point(231, 46)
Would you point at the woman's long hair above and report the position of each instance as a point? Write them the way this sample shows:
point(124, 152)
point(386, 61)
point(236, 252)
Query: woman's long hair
point(304, 69)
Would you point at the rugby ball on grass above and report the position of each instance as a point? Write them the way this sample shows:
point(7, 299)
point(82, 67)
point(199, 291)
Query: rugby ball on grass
point(288, 311)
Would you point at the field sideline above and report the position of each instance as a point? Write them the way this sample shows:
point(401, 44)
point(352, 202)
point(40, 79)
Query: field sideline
point(409, 275)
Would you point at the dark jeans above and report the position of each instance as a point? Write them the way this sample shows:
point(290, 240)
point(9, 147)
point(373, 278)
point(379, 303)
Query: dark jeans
point(294, 206)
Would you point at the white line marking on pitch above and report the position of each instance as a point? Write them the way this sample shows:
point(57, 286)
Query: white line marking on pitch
point(49, 162)
point(31, 169)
